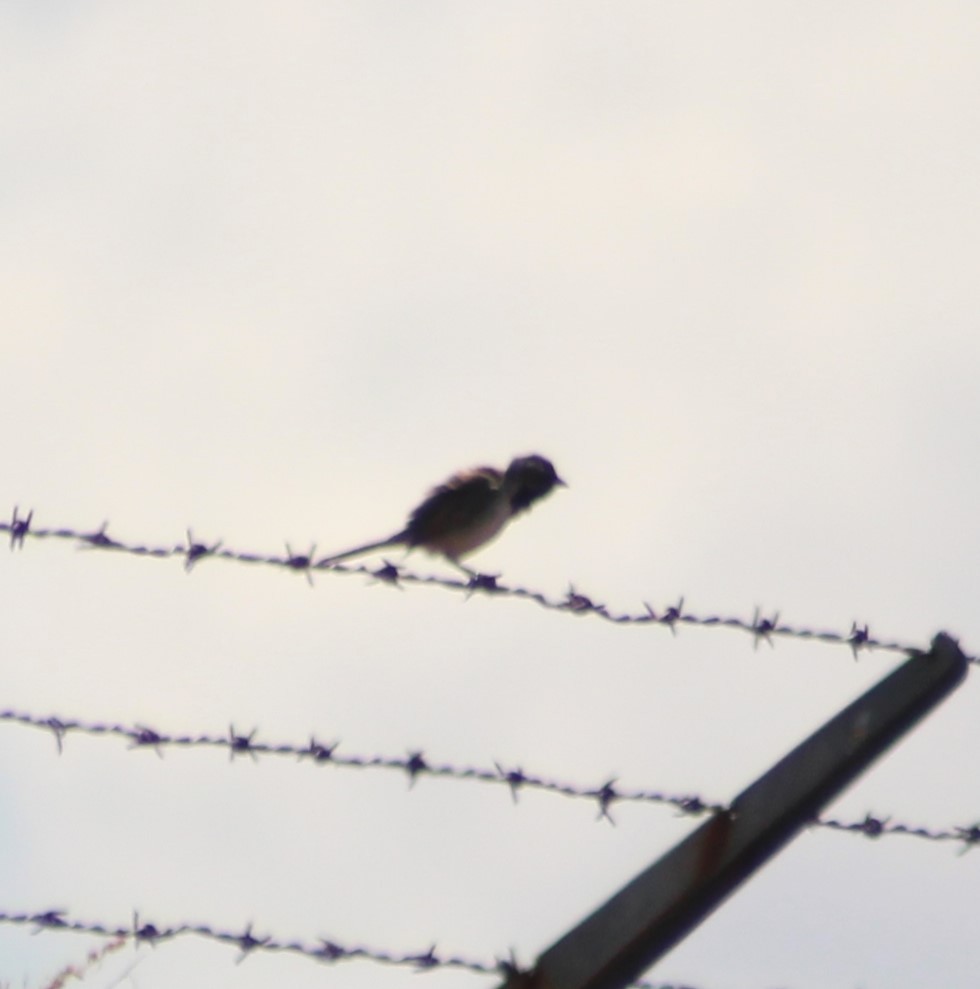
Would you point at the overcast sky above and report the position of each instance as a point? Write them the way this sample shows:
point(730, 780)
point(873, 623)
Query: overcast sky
point(272, 271)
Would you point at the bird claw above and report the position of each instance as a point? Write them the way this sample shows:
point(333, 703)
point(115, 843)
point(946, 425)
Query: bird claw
point(483, 581)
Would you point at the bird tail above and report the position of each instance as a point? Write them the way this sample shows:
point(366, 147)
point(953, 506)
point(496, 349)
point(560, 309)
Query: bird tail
point(399, 539)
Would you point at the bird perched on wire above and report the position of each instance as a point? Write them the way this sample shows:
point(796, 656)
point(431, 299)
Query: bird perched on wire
point(469, 510)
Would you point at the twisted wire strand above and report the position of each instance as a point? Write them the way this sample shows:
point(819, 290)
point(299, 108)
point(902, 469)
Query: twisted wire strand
point(325, 950)
point(415, 764)
point(193, 551)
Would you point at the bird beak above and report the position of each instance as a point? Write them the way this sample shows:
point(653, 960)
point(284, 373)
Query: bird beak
point(560, 483)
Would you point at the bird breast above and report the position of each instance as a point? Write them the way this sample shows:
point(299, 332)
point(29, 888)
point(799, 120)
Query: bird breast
point(463, 539)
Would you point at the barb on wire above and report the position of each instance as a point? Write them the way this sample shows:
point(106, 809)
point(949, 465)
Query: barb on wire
point(415, 764)
point(193, 550)
point(19, 527)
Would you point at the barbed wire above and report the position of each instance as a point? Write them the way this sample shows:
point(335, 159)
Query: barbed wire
point(193, 551)
point(415, 764)
point(327, 950)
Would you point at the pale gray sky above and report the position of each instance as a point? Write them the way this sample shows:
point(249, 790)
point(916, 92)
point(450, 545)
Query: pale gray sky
point(272, 271)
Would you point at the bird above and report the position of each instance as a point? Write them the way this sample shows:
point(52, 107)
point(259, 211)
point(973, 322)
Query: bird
point(468, 510)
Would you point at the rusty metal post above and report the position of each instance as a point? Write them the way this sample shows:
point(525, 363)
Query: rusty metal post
point(658, 908)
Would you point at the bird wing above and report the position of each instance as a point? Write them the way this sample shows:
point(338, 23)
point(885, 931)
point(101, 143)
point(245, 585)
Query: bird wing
point(465, 500)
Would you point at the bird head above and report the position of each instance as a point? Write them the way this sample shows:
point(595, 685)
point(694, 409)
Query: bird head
point(531, 478)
